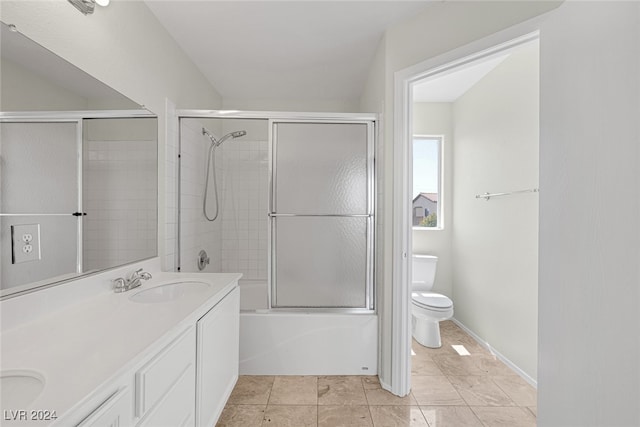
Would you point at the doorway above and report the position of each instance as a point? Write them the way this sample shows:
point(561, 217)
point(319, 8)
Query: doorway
point(444, 91)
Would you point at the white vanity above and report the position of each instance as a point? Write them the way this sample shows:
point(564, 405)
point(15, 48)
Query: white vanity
point(163, 354)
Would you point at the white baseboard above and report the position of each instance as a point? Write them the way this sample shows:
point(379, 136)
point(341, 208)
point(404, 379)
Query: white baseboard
point(497, 354)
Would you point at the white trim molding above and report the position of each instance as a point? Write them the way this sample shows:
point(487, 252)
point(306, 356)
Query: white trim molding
point(497, 354)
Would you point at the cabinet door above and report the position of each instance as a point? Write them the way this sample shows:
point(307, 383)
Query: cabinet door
point(114, 412)
point(217, 358)
point(175, 408)
point(162, 372)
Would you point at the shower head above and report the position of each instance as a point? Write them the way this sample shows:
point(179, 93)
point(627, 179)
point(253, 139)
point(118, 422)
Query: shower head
point(234, 135)
point(217, 142)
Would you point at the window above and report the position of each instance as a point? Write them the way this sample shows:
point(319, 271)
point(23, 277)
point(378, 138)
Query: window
point(427, 164)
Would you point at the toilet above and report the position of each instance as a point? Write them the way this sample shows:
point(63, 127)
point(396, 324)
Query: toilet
point(428, 308)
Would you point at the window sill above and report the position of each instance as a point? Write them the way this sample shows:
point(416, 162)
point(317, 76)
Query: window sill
point(428, 228)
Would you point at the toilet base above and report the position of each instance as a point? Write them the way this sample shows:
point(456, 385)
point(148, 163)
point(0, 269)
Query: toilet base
point(426, 332)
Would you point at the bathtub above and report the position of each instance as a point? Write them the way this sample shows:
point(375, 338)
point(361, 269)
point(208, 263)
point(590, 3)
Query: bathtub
point(302, 343)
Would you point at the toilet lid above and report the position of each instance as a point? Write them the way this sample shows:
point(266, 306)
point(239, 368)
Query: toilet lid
point(430, 299)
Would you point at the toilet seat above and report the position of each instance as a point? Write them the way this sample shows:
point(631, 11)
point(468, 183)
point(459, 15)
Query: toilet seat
point(431, 301)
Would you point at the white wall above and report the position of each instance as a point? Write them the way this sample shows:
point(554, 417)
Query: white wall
point(589, 320)
point(331, 106)
point(373, 101)
point(21, 87)
point(443, 26)
point(495, 242)
point(436, 119)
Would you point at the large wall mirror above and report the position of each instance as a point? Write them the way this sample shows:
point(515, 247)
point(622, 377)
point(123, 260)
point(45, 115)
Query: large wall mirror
point(78, 172)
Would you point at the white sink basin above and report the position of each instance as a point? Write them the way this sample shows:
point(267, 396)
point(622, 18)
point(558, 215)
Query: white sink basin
point(168, 292)
point(19, 388)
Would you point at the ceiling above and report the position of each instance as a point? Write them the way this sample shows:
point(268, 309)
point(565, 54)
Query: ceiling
point(320, 50)
point(448, 87)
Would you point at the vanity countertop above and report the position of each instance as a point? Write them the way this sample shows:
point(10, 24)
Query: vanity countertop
point(82, 348)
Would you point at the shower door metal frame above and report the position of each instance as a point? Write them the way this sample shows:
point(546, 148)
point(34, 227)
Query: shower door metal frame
point(306, 117)
point(51, 119)
point(370, 214)
point(78, 118)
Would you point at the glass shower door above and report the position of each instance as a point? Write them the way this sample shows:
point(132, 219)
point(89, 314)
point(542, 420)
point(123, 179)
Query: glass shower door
point(39, 174)
point(322, 215)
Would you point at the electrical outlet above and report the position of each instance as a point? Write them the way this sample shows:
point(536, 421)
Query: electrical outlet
point(25, 243)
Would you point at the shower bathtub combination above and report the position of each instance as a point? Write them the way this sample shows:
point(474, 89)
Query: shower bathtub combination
point(292, 209)
point(303, 343)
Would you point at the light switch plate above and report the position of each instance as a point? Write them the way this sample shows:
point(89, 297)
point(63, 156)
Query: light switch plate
point(25, 243)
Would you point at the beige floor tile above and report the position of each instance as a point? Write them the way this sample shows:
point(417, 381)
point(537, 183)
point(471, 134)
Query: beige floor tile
point(344, 416)
point(341, 390)
point(241, 416)
point(291, 416)
point(397, 416)
point(521, 392)
point(490, 365)
point(371, 382)
point(294, 390)
point(458, 365)
point(471, 365)
point(440, 380)
point(424, 365)
point(251, 390)
point(480, 391)
point(435, 390)
point(450, 416)
point(383, 397)
point(452, 334)
point(420, 350)
point(469, 343)
point(449, 325)
point(504, 417)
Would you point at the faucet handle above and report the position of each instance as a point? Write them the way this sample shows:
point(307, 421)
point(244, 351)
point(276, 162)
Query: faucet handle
point(135, 274)
point(119, 284)
point(139, 274)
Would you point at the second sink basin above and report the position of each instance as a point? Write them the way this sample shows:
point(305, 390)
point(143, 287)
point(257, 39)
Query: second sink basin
point(19, 388)
point(168, 292)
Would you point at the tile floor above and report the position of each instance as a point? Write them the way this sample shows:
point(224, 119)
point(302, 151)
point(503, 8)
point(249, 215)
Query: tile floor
point(448, 390)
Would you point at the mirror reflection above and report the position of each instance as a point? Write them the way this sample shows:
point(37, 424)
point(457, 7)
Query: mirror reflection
point(78, 171)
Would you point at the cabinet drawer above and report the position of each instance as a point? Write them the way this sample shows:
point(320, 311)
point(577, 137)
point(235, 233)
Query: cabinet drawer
point(162, 373)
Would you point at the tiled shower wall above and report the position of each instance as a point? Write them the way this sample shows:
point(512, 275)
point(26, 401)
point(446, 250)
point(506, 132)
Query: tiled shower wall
point(237, 240)
point(119, 197)
point(245, 189)
point(196, 233)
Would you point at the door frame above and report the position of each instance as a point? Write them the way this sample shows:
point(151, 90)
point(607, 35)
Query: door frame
point(402, 243)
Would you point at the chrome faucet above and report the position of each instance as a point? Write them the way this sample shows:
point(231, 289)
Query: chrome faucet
point(133, 281)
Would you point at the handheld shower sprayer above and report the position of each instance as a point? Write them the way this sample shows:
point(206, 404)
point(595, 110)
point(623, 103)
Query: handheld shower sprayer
point(215, 143)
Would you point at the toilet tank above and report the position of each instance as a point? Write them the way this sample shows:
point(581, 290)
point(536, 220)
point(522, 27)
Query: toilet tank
point(423, 272)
